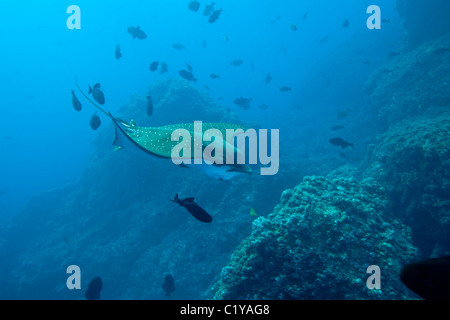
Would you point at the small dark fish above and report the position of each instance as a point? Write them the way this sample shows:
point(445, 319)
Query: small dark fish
point(187, 75)
point(214, 16)
point(193, 208)
point(97, 93)
point(154, 66)
point(204, 44)
point(305, 16)
point(385, 20)
point(208, 9)
point(188, 66)
point(268, 78)
point(178, 46)
point(149, 106)
point(293, 27)
point(94, 289)
point(169, 284)
point(429, 278)
point(346, 23)
point(136, 32)
point(337, 127)
point(284, 50)
point(206, 87)
point(214, 76)
point(323, 40)
point(118, 53)
point(194, 6)
point(95, 121)
point(243, 102)
point(340, 142)
point(75, 102)
point(285, 89)
point(237, 62)
point(263, 106)
point(164, 68)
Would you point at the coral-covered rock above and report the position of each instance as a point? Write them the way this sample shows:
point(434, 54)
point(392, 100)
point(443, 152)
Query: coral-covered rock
point(318, 243)
point(412, 161)
point(412, 84)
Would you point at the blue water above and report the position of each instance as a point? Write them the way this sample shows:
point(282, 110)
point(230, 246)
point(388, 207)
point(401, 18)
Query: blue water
point(46, 145)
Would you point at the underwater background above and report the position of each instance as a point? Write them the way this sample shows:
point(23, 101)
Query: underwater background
point(312, 69)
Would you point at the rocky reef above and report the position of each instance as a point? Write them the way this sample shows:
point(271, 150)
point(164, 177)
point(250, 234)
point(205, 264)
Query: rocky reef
point(318, 243)
point(390, 210)
point(412, 161)
point(411, 83)
point(423, 20)
point(410, 98)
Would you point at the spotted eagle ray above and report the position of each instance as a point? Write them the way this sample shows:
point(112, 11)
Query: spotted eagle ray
point(156, 141)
